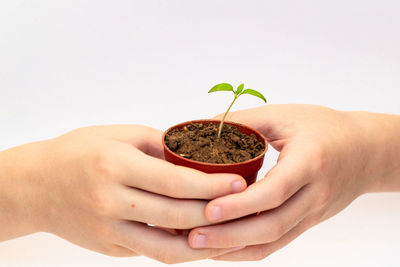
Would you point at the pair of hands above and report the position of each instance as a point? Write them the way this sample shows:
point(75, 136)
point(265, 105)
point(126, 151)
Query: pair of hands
point(108, 189)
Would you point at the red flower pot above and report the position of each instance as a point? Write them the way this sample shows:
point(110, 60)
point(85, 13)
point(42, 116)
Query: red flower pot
point(247, 169)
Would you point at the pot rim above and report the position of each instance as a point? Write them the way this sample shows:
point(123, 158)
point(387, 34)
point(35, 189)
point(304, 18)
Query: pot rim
point(217, 164)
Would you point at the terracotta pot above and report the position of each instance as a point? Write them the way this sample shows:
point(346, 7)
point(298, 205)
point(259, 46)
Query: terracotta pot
point(247, 169)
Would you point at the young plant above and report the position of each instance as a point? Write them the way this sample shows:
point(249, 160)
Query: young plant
point(239, 91)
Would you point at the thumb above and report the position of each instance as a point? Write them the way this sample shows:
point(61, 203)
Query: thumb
point(287, 177)
point(151, 143)
point(146, 139)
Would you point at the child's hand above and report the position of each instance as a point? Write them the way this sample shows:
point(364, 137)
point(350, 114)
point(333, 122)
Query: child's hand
point(100, 187)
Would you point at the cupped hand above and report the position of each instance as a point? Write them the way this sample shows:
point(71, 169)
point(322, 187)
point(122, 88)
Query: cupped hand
point(327, 159)
point(106, 188)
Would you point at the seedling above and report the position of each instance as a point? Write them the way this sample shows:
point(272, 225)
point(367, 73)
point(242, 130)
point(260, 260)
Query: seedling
point(239, 91)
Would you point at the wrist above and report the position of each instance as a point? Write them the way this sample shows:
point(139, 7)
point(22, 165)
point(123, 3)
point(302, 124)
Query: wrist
point(380, 135)
point(20, 191)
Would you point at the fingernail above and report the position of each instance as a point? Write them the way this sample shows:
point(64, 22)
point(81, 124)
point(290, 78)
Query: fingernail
point(236, 248)
point(215, 213)
point(237, 186)
point(200, 241)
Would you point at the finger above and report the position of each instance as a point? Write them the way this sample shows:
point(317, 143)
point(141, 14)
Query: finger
point(160, 245)
point(270, 120)
point(259, 252)
point(144, 138)
point(150, 142)
point(161, 177)
point(258, 229)
point(138, 205)
point(282, 181)
point(251, 117)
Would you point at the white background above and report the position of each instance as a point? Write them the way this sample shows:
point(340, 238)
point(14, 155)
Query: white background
point(67, 64)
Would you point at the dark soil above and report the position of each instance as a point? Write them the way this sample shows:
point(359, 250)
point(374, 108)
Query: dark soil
point(200, 142)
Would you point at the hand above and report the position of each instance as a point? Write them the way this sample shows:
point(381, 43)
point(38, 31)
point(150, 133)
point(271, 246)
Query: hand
point(100, 187)
point(327, 159)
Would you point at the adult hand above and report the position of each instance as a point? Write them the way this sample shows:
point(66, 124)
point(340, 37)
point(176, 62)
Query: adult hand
point(100, 187)
point(327, 159)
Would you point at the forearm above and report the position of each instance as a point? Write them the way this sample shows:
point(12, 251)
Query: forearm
point(381, 133)
point(19, 191)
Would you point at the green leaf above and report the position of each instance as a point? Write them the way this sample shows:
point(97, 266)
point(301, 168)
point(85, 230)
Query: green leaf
point(255, 93)
point(240, 89)
point(221, 87)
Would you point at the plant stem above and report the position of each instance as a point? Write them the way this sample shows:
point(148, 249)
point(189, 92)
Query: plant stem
point(223, 118)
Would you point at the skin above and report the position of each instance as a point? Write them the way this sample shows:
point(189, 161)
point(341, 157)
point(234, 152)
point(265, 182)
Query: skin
point(99, 188)
point(327, 159)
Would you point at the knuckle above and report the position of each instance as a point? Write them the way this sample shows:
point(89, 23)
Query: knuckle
point(227, 241)
point(211, 190)
point(209, 187)
point(320, 158)
point(222, 240)
point(315, 218)
point(104, 163)
point(322, 198)
point(278, 230)
point(177, 218)
point(281, 195)
point(100, 203)
point(272, 232)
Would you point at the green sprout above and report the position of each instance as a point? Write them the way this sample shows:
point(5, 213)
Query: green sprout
point(239, 91)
